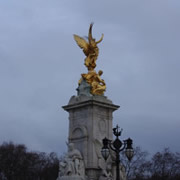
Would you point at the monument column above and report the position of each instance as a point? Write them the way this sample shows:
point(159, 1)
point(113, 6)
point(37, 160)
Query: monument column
point(90, 120)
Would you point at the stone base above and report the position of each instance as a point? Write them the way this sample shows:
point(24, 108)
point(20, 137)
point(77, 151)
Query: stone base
point(70, 178)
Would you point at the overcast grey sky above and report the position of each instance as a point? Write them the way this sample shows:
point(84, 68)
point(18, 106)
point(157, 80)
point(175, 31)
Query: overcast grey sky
point(40, 65)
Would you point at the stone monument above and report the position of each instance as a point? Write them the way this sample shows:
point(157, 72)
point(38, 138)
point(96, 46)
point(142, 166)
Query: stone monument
point(90, 120)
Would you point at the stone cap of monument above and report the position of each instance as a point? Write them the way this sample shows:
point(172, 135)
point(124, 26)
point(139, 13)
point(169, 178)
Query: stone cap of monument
point(83, 100)
point(75, 177)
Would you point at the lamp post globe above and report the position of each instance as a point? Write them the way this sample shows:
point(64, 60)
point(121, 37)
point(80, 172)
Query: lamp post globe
point(105, 149)
point(129, 149)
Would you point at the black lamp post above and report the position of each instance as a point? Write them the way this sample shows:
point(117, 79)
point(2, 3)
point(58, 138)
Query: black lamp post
point(117, 146)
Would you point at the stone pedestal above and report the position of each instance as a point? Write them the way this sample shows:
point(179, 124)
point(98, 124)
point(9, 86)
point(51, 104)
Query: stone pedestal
point(70, 178)
point(90, 120)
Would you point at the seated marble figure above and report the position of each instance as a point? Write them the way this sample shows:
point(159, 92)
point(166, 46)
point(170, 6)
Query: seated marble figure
point(72, 164)
point(106, 173)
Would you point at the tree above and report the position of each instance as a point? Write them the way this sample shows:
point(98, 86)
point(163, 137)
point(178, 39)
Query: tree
point(50, 166)
point(165, 165)
point(137, 168)
point(12, 157)
point(16, 163)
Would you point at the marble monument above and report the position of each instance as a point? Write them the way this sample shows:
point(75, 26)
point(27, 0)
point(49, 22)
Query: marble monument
point(90, 120)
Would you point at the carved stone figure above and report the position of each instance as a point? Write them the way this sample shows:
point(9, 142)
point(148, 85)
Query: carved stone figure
point(106, 173)
point(84, 88)
point(72, 164)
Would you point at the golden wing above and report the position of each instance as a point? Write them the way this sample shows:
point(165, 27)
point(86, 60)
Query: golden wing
point(82, 43)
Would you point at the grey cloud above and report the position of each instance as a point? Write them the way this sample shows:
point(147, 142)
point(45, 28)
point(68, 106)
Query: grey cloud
point(40, 65)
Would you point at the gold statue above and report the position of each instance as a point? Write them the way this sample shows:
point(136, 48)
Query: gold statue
point(98, 86)
point(91, 51)
point(90, 48)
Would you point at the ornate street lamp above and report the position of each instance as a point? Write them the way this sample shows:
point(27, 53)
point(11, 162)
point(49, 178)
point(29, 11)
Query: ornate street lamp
point(117, 145)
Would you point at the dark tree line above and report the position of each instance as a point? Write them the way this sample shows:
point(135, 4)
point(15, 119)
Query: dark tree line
point(163, 165)
point(17, 163)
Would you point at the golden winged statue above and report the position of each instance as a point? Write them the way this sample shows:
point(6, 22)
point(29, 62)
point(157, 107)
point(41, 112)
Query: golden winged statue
point(91, 51)
point(90, 48)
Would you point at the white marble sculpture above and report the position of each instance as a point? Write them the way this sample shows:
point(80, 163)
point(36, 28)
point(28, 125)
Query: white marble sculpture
point(106, 173)
point(72, 165)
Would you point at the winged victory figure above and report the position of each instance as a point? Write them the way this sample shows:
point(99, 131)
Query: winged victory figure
point(91, 51)
point(90, 48)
